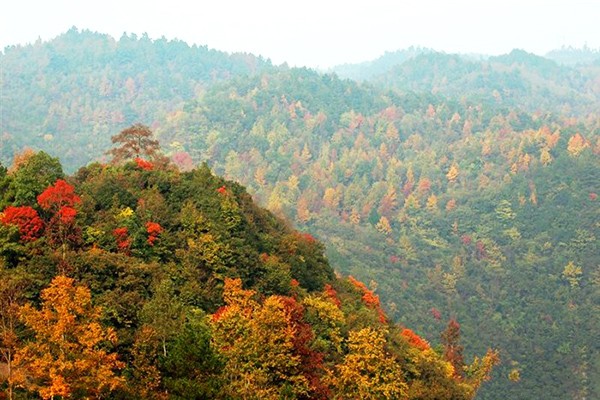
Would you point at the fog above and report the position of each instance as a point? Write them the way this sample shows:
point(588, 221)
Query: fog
point(319, 33)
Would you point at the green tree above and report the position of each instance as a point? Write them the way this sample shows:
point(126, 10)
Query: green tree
point(164, 312)
point(33, 176)
point(192, 369)
point(4, 186)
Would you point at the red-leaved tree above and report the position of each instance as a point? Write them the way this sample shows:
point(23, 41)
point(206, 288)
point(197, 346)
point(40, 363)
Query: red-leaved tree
point(60, 200)
point(26, 219)
point(143, 164)
point(153, 229)
point(415, 340)
point(123, 240)
point(453, 351)
point(59, 195)
point(369, 298)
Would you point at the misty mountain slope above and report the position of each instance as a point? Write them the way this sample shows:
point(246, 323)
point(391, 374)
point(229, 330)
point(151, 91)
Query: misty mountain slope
point(474, 210)
point(518, 79)
point(369, 69)
point(460, 188)
point(573, 56)
point(72, 93)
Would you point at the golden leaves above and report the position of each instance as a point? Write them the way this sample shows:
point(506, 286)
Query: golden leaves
point(67, 353)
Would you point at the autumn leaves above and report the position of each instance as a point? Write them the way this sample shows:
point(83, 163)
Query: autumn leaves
point(67, 356)
point(151, 283)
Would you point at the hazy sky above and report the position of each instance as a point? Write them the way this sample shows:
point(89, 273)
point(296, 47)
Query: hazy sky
point(319, 33)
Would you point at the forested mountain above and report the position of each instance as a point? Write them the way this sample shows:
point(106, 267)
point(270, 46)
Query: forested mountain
point(574, 56)
point(516, 80)
point(481, 212)
point(69, 95)
point(369, 69)
point(138, 281)
point(458, 188)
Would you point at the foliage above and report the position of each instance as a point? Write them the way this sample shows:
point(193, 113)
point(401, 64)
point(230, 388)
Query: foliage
point(60, 200)
point(57, 196)
point(134, 142)
point(26, 219)
point(31, 176)
point(453, 351)
point(220, 299)
point(367, 371)
point(458, 185)
point(458, 202)
point(129, 79)
point(67, 357)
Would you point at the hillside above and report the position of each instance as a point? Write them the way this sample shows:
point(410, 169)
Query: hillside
point(516, 80)
point(574, 56)
point(69, 95)
point(369, 69)
point(138, 281)
point(457, 188)
point(479, 213)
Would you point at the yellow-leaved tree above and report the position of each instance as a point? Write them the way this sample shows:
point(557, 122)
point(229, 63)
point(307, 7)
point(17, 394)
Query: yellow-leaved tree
point(264, 345)
point(576, 145)
point(368, 371)
point(453, 173)
point(67, 355)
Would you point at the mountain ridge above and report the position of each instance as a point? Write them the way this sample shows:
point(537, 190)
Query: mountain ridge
point(425, 186)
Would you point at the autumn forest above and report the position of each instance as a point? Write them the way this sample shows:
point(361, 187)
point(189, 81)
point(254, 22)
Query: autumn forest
point(178, 222)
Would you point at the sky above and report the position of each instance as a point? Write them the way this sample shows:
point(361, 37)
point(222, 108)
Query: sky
point(319, 33)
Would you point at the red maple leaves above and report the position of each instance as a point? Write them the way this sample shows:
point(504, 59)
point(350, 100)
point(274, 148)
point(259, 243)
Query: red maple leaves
point(59, 195)
point(26, 219)
point(414, 339)
point(123, 240)
point(370, 299)
point(332, 295)
point(153, 229)
point(143, 164)
point(58, 199)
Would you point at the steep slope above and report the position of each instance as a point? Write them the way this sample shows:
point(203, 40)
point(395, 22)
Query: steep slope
point(461, 188)
point(450, 203)
point(176, 285)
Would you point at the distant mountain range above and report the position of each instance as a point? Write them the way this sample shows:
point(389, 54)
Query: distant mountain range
point(461, 186)
point(369, 69)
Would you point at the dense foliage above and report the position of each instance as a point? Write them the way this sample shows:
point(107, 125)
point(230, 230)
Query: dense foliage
point(72, 93)
point(475, 207)
point(456, 187)
point(162, 284)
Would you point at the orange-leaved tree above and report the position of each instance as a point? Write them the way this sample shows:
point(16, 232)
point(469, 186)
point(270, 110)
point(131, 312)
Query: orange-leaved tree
point(135, 142)
point(12, 293)
point(67, 356)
